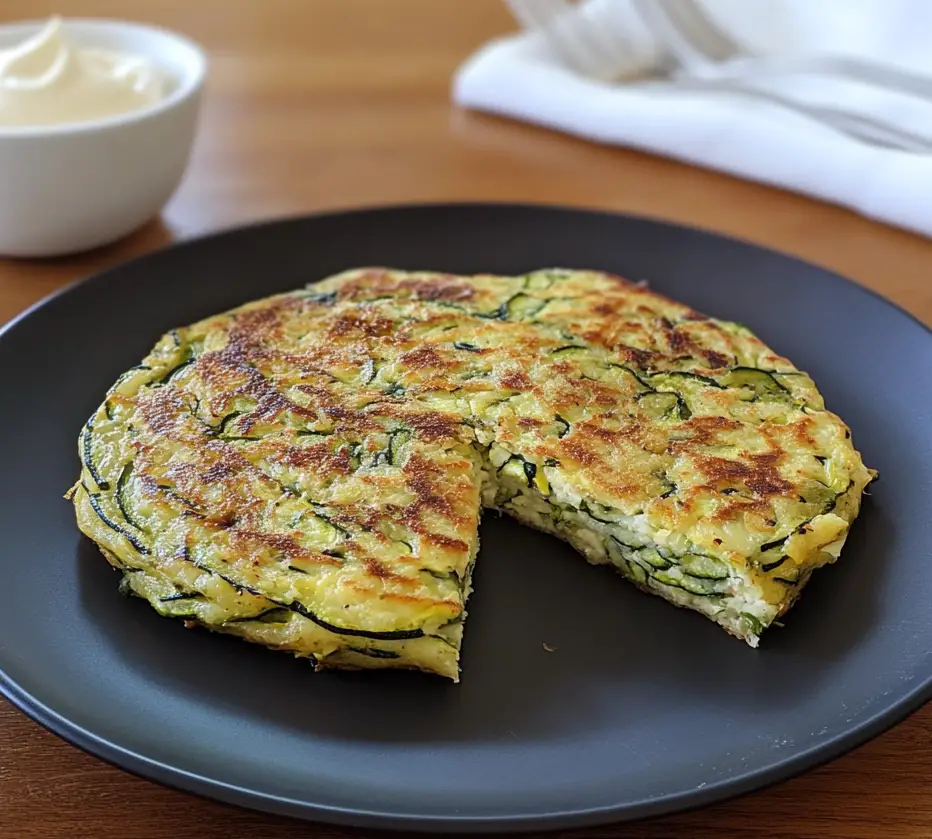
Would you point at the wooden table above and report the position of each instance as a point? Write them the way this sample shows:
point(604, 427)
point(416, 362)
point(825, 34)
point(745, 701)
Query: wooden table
point(318, 104)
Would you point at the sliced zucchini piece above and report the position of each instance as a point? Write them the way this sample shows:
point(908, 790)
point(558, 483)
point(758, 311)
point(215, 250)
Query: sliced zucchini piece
point(694, 585)
point(664, 405)
point(182, 595)
point(122, 483)
point(635, 572)
point(522, 306)
point(670, 377)
point(222, 431)
point(446, 576)
point(616, 549)
point(130, 537)
point(276, 614)
point(751, 625)
point(89, 456)
point(772, 566)
point(373, 652)
point(526, 471)
point(530, 472)
point(513, 468)
point(354, 450)
point(391, 635)
point(570, 349)
point(325, 299)
point(776, 543)
point(704, 567)
point(501, 313)
point(314, 435)
point(171, 374)
point(631, 372)
point(391, 454)
point(587, 508)
point(221, 428)
point(127, 375)
point(397, 442)
point(518, 307)
point(301, 609)
point(654, 559)
point(327, 528)
point(539, 281)
point(761, 382)
point(789, 577)
point(815, 492)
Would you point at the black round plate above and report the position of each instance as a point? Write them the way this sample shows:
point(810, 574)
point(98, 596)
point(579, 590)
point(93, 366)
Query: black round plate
point(639, 709)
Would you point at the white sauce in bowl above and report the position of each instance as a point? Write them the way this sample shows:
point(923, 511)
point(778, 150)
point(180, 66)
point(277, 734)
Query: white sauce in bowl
point(48, 80)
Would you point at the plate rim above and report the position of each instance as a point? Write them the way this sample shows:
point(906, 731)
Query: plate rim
point(193, 783)
point(669, 805)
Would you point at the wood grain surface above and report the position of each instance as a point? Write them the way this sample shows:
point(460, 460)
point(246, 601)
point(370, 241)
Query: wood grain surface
point(319, 104)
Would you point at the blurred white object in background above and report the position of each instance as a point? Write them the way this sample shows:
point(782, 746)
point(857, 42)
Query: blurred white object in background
point(611, 40)
point(708, 58)
point(602, 39)
point(780, 104)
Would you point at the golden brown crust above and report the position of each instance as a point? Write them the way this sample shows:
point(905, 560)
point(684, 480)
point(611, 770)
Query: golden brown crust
point(324, 447)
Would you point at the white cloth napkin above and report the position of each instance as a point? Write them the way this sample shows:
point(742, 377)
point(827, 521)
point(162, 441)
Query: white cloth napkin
point(520, 77)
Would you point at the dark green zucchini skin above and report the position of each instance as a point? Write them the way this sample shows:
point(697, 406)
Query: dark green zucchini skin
point(772, 566)
point(127, 534)
point(373, 652)
point(275, 614)
point(696, 377)
point(175, 371)
point(394, 635)
point(294, 606)
point(762, 382)
point(182, 595)
point(87, 446)
point(128, 516)
point(324, 298)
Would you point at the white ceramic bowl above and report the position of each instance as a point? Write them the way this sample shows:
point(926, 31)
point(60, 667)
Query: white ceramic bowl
point(66, 188)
